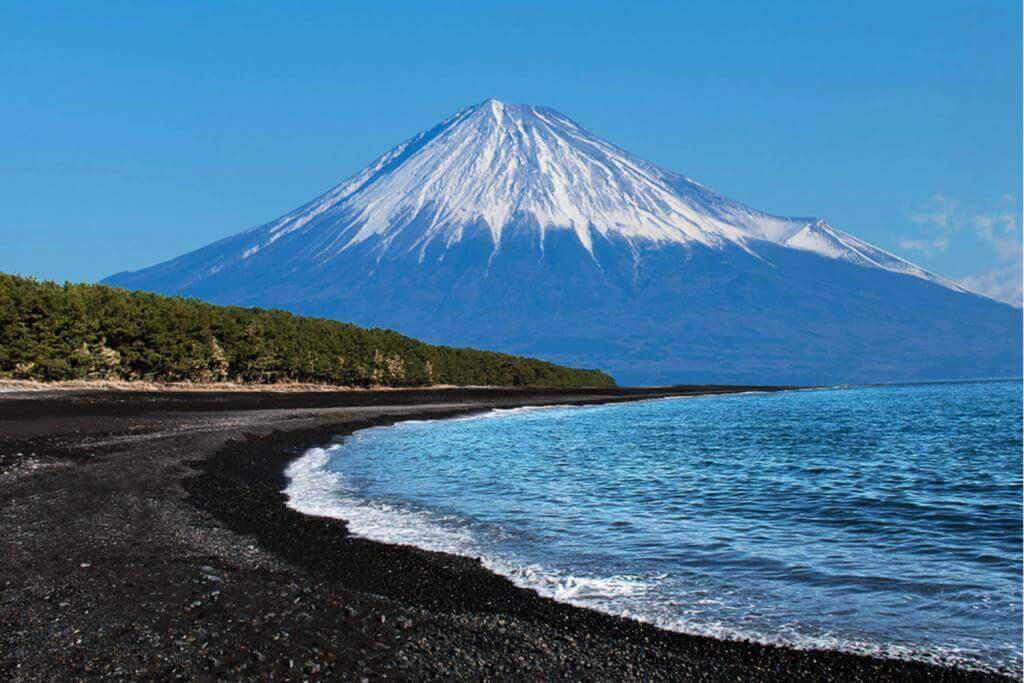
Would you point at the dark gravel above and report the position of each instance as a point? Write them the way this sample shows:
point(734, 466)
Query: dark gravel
point(145, 537)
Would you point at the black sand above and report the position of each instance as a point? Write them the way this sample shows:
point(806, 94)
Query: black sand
point(144, 536)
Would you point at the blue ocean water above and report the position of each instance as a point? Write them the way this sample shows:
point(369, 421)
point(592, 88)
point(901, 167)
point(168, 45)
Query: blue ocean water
point(884, 520)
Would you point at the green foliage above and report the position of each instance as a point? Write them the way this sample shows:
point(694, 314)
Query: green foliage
point(75, 331)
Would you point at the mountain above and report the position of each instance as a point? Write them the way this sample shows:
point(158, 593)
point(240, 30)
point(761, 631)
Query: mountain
point(512, 228)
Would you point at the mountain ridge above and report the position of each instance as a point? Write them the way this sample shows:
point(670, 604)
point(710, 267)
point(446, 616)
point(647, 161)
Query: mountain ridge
point(523, 193)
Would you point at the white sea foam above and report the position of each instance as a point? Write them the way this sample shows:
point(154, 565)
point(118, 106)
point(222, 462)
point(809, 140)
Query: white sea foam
point(315, 489)
point(521, 410)
point(504, 412)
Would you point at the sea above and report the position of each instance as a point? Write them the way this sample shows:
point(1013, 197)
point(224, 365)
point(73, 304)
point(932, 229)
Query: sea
point(883, 520)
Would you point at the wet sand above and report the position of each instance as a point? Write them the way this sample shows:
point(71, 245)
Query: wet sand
point(145, 535)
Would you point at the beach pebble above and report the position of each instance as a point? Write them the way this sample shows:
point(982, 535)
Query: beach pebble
point(145, 617)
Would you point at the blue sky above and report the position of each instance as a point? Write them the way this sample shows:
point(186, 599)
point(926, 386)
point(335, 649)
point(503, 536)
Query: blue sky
point(133, 132)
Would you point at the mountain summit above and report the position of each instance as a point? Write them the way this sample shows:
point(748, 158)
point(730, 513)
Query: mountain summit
point(496, 165)
point(511, 227)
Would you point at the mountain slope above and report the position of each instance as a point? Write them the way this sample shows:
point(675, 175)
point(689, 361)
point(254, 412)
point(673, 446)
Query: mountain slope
point(511, 227)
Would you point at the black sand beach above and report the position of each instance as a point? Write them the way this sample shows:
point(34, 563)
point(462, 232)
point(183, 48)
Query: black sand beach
point(145, 536)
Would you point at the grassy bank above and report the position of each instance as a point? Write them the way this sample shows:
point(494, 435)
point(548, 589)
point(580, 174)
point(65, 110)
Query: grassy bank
point(52, 332)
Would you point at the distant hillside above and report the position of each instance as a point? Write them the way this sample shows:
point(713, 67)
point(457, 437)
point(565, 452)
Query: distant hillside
point(73, 331)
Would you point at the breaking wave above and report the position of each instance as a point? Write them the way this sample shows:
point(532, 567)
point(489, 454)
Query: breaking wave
point(756, 529)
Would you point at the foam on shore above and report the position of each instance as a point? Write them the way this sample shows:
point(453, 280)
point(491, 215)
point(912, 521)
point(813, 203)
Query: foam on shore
point(316, 489)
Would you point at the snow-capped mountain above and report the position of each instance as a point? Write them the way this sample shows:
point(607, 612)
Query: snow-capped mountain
point(497, 164)
point(506, 222)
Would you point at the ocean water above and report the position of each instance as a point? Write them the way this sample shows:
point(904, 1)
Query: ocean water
point(882, 520)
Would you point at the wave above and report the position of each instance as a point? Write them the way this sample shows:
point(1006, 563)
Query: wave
point(314, 489)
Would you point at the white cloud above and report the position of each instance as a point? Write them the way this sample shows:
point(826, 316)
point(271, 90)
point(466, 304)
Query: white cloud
point(940, 212)
point(1005, 284)
point(999, 227)
point(1001, 230)
point(926, 247)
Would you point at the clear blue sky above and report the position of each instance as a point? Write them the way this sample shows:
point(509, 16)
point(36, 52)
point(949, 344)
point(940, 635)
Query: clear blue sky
point(133, 132)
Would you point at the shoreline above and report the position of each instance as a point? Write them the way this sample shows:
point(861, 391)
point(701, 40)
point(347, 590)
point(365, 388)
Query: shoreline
point(367, 608)
point(509, 571)
point(341, 438)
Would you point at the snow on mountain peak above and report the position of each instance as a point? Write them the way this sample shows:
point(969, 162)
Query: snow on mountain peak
point(494, 165)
